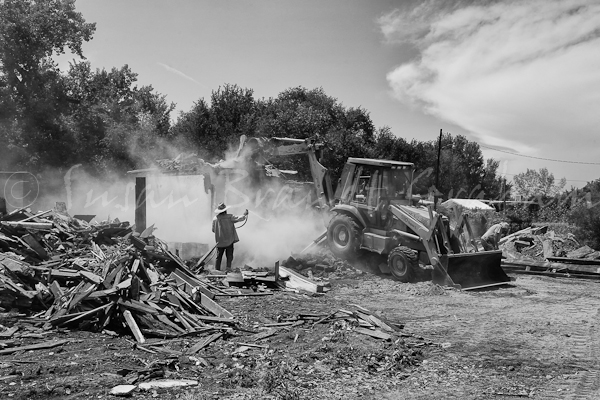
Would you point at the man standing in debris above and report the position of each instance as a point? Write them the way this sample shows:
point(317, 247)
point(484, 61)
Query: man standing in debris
point(225, 233)
point(491, 238)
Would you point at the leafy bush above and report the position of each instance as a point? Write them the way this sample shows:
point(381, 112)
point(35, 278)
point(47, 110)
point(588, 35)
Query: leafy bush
point(587, 221)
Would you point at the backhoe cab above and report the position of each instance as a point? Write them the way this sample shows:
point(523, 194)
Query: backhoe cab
point(374, 212)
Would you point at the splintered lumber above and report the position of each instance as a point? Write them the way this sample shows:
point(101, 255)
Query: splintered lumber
point(38, 346)
point(81, 294)
point(91, 277)
point(213, 307)
point(374, 333)
point(375, 321)
point(165, 320)
point(138, 306)
point(9, 332)
point(69, 318)
point(203, 343)
point(29, 225)
point(515, 234)
point(137, 334)
point(298, 281)
point(35, 216)
point(188, 284)
point(35, 246)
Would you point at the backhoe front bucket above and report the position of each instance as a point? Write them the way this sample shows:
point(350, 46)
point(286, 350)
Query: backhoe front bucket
point(477, 270)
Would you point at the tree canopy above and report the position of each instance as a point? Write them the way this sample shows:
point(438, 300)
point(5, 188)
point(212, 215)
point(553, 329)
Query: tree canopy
point(532, 183)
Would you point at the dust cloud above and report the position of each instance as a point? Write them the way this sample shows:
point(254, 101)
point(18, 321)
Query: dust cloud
point(282, 219)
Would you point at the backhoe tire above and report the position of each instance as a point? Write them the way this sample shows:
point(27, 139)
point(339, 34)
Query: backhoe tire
point(403, 263)
point(343, 236)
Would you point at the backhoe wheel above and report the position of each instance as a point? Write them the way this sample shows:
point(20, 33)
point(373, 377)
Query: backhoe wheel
point(343, 237)
point(403, 263)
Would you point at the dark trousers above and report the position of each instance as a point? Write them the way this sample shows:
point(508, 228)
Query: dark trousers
point(487, 246)
point(228, 253)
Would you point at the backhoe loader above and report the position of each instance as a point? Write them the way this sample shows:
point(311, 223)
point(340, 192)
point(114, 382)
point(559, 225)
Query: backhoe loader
point(372, 211)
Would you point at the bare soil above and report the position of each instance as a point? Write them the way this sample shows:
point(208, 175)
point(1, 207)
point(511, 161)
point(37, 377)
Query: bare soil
point(537, 338)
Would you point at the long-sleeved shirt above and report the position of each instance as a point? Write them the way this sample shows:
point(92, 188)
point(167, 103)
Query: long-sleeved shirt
point(224, 229)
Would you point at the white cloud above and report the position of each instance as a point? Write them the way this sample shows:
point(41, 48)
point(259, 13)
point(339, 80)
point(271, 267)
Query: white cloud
point(176, 71)
point(523, 75)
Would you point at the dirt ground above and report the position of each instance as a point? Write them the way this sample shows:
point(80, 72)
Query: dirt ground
point(537, 338)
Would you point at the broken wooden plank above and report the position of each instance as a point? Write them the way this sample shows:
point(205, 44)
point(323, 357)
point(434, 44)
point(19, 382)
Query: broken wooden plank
point(81, 294)
point(373, 333)
point(165, 320)
point(298, 281)
point(202, 344)
point(98, 280)
point(133, 326)
point(38, 346)
point(138, 306)
point(29, 225)
point(70, 318)
point(213, 307)
point(9, 332)
point(35, 245)
point(35, 216)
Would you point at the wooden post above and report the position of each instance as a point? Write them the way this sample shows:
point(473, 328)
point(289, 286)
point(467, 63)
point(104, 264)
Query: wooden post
point(140, 204)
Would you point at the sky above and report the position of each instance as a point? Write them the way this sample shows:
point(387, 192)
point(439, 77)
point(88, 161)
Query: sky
point(521, 78)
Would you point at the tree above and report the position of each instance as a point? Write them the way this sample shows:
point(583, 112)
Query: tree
point(302, 113)
point(534, 183)
point(32, 92)
point(494, 186)
point(114, 124)
point(585, 214)
point(213, 128)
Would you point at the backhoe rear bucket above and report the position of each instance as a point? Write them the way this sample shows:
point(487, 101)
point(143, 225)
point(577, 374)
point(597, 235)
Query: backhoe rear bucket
point(477, 270)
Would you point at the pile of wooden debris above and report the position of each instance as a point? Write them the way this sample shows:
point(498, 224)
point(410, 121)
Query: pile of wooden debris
point(539, 251)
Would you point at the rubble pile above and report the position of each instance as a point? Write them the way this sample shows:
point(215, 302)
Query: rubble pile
point(536, 250)
point(541, 244)
point(101, 276)
point(321, 265)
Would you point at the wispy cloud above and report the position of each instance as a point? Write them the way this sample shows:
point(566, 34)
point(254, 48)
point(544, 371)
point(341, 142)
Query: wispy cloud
point(522, 75)
point(176, 71)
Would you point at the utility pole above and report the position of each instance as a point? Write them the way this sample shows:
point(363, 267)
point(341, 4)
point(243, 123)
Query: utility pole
point(437, 170)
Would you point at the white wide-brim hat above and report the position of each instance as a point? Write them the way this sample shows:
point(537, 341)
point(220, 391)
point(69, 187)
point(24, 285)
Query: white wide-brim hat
point(221, 208)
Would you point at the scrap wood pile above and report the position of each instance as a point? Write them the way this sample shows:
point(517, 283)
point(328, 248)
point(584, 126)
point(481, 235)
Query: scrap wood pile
point(99, 276)
point(538, 251)
point(321, 265)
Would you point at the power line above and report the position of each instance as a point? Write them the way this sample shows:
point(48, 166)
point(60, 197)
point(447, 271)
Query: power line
point(540, 158)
